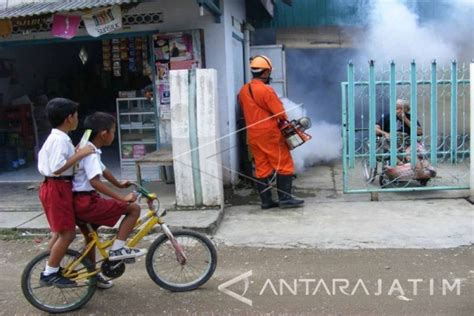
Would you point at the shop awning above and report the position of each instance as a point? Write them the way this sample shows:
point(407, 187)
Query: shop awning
point(41, 8)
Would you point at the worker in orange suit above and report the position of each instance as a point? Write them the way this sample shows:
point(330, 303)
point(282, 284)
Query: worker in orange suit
point(262, 111)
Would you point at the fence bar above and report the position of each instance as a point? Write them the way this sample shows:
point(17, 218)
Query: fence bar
point(471, 157)
point(344, 138)
point(434, 115)
point(407, 83)
point(413, 115)
point(408, 189)
point(439, 152)
point(372, 99)
point(454, 112)
point(393, 117)
point(351, 110)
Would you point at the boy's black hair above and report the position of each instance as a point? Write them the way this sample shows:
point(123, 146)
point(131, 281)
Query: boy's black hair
point(98, 122)
point(58, 109)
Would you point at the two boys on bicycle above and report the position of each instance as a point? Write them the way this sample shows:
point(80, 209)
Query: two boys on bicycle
point(69, 191)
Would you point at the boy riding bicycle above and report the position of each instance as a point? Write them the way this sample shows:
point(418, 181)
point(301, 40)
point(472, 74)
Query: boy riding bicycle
point(55, 162)
point(90, 207)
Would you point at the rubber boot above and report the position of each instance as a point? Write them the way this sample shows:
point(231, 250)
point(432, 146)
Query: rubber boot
point(265, 192)
point(284, 185)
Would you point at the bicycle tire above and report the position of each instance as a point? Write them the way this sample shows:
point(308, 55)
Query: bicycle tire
point(369, 173)
point(33, 299)
point(161, 241)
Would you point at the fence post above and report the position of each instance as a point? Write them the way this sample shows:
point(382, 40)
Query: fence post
point(344, 136)
point(413, 114)
point(471, 77)
point(393, 116)
point(372, 105)
point(351, 110)
point(434, 115)
point(454, 112)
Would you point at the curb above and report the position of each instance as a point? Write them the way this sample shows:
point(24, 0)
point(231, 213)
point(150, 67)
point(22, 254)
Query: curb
point(209, 229)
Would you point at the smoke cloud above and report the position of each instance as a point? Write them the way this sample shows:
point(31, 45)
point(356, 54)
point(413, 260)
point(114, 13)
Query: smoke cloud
point(402, 33)
point(324, 147)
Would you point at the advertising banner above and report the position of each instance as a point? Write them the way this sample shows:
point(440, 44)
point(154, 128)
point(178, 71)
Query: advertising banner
point(103, 21)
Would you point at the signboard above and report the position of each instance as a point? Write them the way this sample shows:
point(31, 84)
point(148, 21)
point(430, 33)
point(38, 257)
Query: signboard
point(65, 26)
point(5, 28)
point(30, 23)
point(103, 21)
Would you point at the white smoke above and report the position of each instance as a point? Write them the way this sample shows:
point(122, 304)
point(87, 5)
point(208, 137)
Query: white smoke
point(395, 33)
point(324, 147)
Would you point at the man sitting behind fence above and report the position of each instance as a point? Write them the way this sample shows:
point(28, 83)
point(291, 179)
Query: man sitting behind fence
point(403, 128)
point(403, 121)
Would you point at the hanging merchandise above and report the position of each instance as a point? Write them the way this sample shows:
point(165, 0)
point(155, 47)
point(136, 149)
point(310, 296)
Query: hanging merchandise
point(65, 26)
point(162, 71)
point(103, 21)
point(146, 66)
point(116, 66)
point(132, 53)
point(83, 55)
point(123, 49)
point(106, 56)
point(138, 54)
point(5, 28)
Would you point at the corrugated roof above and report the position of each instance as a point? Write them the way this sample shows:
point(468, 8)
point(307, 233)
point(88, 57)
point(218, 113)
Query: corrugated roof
point(40, 8)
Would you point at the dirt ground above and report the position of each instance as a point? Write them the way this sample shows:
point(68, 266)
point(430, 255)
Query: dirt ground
point(282, 282)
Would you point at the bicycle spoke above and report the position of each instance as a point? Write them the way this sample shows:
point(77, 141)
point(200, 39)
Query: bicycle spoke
point(63, 295)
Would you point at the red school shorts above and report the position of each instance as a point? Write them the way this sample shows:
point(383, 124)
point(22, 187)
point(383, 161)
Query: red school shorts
point(56, 197)
point(91, 208)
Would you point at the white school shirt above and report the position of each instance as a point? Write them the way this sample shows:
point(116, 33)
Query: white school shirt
point(89, 167)
point(54, 153)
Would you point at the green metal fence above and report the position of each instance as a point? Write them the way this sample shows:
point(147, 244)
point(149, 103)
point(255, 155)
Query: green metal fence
point(439, 100)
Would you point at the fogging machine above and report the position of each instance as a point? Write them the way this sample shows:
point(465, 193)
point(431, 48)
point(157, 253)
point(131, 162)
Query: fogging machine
point(294, 131)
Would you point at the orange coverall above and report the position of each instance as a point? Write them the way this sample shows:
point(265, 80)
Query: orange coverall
point(262, 108)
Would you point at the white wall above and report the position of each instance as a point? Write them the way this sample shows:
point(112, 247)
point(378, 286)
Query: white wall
point(236, 9)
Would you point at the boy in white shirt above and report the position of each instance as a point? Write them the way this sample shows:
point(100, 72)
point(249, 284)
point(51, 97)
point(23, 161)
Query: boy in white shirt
point(89, 206)
point(55, 162)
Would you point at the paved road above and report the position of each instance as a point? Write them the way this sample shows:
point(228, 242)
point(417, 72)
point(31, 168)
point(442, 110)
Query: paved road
point(373, 279)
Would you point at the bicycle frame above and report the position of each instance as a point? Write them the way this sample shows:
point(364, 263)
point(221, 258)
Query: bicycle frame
point(147, 223)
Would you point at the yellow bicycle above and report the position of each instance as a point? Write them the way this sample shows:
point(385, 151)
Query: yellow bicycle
point(178, 260)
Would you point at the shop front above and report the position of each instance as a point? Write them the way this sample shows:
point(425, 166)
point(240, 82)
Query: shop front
point(110, 71)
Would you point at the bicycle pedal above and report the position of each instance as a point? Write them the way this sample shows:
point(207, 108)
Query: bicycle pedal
point(129, 260)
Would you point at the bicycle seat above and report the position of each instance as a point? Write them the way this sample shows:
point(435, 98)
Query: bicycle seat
point(84, 224)
point(80, 223)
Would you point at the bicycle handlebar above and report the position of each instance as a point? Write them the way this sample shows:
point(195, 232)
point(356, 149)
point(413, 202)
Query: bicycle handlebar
point(141, 190)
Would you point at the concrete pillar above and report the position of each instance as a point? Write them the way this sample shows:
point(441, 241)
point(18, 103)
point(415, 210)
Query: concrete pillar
point(471, 175)
point(195, 132)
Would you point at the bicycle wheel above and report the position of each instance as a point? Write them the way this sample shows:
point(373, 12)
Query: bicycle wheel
point(166, 270)
point(369, 173)
point(52, 299)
